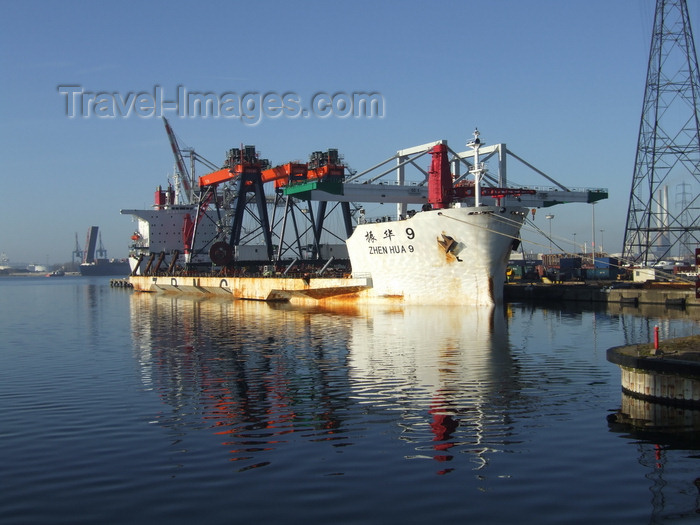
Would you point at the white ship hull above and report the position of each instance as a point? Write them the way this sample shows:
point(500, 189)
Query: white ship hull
point(452, 256)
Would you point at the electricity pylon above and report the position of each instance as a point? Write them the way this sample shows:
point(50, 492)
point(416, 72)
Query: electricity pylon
point(668, 147)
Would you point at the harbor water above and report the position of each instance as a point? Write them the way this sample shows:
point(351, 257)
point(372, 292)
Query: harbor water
point(119, 407)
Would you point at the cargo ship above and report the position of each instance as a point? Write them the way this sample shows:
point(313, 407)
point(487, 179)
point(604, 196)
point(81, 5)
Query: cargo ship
point(451, 249)
point(93, 265)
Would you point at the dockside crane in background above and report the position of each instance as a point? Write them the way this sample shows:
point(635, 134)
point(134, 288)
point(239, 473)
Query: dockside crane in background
point(77, 251)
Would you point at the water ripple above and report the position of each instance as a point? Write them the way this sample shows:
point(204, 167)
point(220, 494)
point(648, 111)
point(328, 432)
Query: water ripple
point(157, 408)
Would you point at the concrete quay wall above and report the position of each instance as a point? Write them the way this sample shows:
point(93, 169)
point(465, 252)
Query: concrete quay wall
point(592, 293)
point(670, 388)
point(657, 377)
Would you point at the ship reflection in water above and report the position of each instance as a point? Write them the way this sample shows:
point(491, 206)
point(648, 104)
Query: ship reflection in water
point(493, 401)
point(258, 373)
point(448, 372)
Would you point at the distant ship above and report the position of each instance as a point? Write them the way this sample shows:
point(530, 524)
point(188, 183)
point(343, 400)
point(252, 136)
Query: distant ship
point(100, 265)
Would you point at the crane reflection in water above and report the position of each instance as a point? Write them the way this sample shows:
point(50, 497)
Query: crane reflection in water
point(260, 373)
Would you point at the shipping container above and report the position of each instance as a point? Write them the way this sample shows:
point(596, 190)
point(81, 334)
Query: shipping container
point(569, 263)
point(607, 262)
point(250, 252)
point(600, 274)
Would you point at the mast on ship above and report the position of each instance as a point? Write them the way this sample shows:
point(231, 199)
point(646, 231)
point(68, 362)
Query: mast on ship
point(478, 168)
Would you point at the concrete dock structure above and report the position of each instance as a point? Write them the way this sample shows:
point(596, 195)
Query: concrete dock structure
point(667, 372)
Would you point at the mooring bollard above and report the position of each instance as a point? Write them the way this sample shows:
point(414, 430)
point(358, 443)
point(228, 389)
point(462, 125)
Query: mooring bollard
point(656, 338)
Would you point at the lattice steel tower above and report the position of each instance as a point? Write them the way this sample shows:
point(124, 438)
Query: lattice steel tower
point(668, 148)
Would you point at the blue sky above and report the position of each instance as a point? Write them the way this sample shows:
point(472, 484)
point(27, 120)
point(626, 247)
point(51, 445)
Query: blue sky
point(560, 82)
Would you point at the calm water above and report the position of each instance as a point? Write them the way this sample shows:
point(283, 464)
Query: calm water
point(124, 408)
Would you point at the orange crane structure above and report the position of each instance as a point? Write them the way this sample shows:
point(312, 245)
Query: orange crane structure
point(243, 168)
point(293, 181)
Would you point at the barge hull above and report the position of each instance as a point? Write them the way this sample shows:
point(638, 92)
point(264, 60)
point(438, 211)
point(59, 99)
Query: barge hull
point(295, 290)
